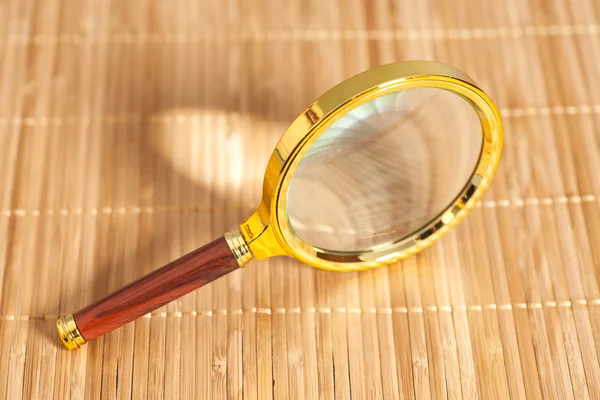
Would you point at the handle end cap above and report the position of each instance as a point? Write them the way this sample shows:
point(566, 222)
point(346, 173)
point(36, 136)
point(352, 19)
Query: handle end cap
point(69, 333)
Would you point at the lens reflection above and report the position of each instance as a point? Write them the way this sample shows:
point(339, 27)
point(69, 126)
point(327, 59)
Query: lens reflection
point(384, 170)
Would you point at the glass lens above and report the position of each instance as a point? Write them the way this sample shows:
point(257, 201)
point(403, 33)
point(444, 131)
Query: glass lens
point(384, 170)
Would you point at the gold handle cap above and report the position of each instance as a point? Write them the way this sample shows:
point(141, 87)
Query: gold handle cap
point(69, 333)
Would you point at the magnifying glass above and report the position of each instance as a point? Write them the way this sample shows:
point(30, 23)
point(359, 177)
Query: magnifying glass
point(374, 171)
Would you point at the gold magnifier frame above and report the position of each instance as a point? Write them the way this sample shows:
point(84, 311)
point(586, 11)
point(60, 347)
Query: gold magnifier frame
point(268, 231)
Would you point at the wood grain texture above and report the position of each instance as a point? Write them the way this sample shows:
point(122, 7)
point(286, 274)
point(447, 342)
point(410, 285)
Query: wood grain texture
point(156, 289)
point(131, 131)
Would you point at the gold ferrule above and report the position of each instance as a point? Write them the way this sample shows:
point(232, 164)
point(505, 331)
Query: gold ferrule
point(239, 247)
point(69, 333)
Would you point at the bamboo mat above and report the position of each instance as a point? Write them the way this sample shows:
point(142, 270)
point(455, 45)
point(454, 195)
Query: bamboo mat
point(132, 132)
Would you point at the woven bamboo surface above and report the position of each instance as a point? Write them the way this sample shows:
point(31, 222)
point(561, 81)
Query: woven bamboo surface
point(134, 131)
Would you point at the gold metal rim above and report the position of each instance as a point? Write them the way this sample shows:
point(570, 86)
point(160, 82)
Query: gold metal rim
point(238, 247)
point(69, 332)
point(268, 232)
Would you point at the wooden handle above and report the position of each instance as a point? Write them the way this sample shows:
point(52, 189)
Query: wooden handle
point(156, 289)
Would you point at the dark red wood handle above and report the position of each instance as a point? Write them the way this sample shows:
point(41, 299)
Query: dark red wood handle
point(156, 289)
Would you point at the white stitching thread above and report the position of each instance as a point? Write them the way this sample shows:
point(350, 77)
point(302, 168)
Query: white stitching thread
point(535, 201)
point(547, 201)
point(181, 119)
point(550, 110)
point(310, 35)
point(112, 210)
point(340, 310)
